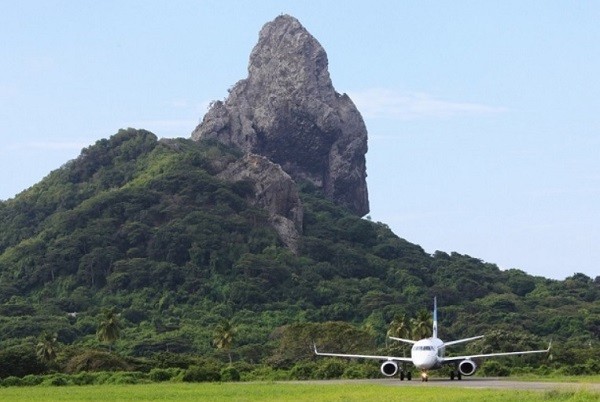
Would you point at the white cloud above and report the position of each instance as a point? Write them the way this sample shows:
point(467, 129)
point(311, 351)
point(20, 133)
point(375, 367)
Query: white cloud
point(385, 103)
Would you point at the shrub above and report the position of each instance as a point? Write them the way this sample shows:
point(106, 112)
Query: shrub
point(593, 366)
point(494, 368)
point(102, 377)
point(84, 378)
point(31, 380)
point(244, 367)
point(201, 374)
point(230, 373)
point(57, 380)
point(303, 371)
point(543, 370)
point(521, 369)
point(265, 373)
point(12, 381)
point(132, 377)
point(371, 370)
point(330, 369)
point(355, 370)
point(575, 369)
point(95, 360)
point(160, 374)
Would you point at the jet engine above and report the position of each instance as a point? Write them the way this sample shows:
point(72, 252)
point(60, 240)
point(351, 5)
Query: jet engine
point(466, 367)
point(389, 368)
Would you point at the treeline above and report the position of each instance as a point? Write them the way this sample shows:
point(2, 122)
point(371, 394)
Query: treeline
point(145, 228)
point(52, 363)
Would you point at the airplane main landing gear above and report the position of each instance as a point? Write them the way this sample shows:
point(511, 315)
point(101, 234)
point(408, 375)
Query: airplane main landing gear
point(408, 376)
point(458, 375)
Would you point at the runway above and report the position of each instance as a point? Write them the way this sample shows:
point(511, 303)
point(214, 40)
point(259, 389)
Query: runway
point(482, 382)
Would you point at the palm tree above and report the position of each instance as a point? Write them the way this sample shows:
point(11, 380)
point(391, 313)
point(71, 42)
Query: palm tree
point(399, 327)
point(109, 329)
point(224, 336)
point(47, 347)
point(422, 324)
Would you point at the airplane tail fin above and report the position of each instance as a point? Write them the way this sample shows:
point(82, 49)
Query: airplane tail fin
point(435, 324)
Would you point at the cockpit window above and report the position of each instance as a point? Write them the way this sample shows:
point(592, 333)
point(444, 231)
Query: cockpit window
point(423, 348)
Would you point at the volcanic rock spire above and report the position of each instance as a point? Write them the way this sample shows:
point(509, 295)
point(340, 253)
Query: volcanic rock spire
point(288, 111)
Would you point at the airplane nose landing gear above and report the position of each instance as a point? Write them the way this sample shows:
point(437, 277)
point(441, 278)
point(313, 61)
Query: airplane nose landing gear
point(424, 376)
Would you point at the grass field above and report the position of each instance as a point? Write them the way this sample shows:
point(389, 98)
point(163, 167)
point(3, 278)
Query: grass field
point(312, 392)
point(589, 379)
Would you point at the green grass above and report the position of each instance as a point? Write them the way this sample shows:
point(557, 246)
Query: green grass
point(280, 392)
point(584, 379)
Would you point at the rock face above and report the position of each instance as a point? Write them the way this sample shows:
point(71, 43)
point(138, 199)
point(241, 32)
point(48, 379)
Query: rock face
point(275, 191)
point(288, 111)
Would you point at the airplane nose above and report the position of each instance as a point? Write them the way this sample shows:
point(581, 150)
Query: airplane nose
point(419, 361)
point(424, 361)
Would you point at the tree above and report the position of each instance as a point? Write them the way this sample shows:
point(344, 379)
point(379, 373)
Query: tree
point(224, 336)
point(109, 329)
point(20, 361)
point(421, 324)
point(297, 341)
point(399, 327)
point(47, 347)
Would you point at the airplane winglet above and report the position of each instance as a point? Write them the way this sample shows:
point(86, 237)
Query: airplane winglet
point(549, 346)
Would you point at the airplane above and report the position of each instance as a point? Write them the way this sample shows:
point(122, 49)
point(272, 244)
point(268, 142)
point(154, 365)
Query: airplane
point(429, 353)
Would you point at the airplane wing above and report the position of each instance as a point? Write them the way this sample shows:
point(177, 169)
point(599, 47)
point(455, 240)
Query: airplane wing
point(526, 352)
point(463, 340)
point(400, 359)
point(403, 340)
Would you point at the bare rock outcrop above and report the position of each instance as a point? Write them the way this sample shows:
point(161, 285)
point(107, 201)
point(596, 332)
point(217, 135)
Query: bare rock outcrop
point(288, 111)
point(274, 191)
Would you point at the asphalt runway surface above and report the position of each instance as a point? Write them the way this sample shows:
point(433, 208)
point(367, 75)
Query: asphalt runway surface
point(483, 382)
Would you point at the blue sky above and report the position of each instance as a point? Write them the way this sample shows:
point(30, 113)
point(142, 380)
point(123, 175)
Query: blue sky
point(483, 117)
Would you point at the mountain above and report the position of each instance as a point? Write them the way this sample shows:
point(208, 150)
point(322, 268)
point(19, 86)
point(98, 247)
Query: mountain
point(149, 227)
point(288, 111)
point(176, 235)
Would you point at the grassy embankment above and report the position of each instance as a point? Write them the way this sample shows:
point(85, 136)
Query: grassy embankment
point(281, 392)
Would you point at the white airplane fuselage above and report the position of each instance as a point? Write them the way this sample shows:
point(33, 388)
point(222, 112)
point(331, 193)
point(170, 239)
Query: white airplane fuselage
point(426, 354)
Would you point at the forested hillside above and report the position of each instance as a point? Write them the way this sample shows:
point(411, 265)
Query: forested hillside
point(141, 232)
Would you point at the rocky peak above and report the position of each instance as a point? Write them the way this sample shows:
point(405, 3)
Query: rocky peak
point(288, 111)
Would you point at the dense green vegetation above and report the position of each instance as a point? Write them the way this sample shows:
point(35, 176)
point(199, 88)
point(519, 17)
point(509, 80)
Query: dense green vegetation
point(135, 256)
